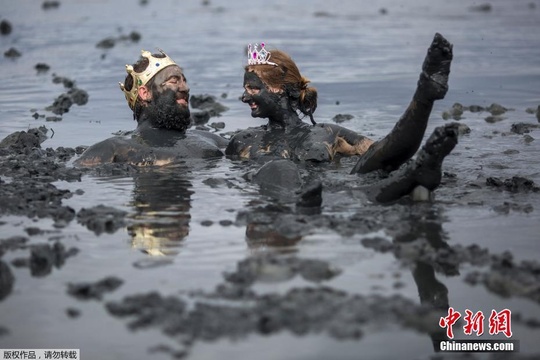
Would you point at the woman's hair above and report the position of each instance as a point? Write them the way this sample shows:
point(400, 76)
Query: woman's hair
point(138, 67)
point(287, 77)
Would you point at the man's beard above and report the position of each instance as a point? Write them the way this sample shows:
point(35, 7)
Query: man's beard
point(165, 113)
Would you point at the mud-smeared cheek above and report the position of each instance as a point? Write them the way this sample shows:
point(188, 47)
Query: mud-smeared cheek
point(262, 102)
point(247, 98)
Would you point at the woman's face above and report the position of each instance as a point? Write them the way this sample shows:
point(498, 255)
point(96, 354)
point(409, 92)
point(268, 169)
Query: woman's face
point(264, 102)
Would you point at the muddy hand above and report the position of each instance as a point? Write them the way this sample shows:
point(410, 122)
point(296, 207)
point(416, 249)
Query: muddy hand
point(433, 81)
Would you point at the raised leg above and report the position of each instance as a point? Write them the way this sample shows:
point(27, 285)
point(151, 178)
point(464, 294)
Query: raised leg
point(406, 136)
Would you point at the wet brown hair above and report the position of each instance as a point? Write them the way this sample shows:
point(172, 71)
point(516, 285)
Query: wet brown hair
point(140, 66)
point(287, 77)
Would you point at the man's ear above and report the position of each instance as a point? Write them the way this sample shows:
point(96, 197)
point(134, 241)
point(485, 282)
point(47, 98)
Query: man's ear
point(144, 93)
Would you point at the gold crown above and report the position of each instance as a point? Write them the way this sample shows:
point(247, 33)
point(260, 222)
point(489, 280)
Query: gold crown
point(155, 65)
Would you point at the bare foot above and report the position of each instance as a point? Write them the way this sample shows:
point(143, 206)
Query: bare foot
point(427, 165)
point(433, 81)
point(425, 170)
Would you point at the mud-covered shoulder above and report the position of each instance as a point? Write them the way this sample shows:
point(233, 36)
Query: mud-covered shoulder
point(102, 152)
point(216, 139)
point(244, 140)
point(199, 145)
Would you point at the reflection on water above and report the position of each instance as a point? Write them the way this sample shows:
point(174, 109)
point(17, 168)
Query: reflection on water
point(6, 280)
point(431, 291)
point(262, 235)
point(161, 203)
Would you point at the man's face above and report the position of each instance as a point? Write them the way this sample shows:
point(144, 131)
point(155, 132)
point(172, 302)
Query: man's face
point(172, 78)
point(169, 106)
point(264, 102)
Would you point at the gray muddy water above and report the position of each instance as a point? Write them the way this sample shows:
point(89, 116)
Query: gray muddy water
point(338, 284)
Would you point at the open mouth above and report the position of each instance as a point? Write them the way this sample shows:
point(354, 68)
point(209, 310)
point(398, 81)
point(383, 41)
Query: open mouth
point(182, 99)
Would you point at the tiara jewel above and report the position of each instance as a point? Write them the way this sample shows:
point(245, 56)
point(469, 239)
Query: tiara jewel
point(258, 56)
point(155, 65)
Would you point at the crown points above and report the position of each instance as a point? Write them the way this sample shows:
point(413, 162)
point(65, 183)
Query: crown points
point(259, 55)
point(155, 65)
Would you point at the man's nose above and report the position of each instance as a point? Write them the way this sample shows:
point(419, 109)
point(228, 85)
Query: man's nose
point(245, 97)
point(183, 87)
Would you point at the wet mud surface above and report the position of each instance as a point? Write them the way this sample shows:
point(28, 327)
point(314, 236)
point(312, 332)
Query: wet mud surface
point(234, 309)
point(200, 259)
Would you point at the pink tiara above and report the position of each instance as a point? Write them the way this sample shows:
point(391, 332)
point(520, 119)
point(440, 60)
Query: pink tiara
point(258, 56)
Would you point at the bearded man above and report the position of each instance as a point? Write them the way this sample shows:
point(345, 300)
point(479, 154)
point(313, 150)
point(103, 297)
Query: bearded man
point(157, 92)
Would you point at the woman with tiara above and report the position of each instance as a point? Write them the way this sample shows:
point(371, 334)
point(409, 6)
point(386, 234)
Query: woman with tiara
point(275, 89)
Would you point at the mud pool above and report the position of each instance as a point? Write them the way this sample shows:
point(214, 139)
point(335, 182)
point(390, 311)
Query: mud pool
point(191, 261)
